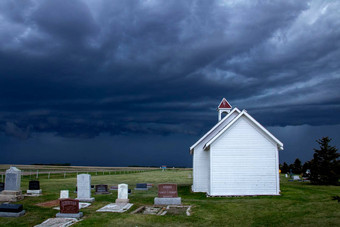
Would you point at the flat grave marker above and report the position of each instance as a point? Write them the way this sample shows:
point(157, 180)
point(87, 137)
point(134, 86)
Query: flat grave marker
point(115, 207)
point(58, 222)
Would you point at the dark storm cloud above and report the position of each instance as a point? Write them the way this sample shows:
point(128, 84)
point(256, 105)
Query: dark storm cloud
point(81, 68)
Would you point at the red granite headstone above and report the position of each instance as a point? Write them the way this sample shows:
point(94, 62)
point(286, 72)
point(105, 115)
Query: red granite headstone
point(69, 206)
point(167, 191)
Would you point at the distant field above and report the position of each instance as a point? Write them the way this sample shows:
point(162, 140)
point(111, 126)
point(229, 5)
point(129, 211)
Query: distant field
point(48, 168)
point(299, 204)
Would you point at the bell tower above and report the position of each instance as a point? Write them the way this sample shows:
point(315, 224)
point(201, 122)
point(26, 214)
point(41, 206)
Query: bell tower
point(223, 107)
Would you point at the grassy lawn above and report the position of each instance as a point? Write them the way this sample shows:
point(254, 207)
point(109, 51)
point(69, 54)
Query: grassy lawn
point(299, 204)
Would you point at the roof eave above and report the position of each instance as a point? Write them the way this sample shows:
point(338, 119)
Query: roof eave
point(215, 126)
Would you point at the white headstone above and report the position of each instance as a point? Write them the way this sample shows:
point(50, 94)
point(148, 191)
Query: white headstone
point(295, 177)
point(122, 191)
point(13, 179)
point(84, 187)
point(64, 194)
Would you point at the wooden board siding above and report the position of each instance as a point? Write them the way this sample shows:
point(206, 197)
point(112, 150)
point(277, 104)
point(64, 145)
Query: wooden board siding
point(201, 170)
point(244, 162)
point(201, 160)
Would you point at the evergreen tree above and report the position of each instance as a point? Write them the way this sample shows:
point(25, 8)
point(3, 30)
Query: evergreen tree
point(285, 168)
point(305, 167)
point(297, 168)
point(325, 166)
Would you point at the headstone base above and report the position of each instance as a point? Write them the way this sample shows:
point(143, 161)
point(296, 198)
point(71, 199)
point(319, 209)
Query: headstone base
point(35, 192)
point(64, 215)
point(102, 193)
point(12, 214)
point(120, 201)
point(168, 201)
point(11, 196)
point(89, 200)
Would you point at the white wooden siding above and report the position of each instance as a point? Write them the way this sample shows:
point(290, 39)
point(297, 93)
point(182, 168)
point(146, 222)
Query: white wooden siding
point(201, 160)
point(201, 170)
point(244, 162)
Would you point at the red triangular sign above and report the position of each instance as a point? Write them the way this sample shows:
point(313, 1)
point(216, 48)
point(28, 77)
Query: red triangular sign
point(224, 104)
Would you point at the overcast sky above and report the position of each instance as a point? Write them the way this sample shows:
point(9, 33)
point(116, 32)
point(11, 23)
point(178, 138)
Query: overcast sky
point(93, 82)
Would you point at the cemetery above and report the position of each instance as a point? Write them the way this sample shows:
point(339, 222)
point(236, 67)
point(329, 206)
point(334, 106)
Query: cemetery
point(169, 201)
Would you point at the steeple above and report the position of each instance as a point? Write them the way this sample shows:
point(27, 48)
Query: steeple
point(223, 107)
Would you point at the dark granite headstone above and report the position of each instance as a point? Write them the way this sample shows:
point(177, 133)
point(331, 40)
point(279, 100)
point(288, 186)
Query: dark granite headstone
point(12, 208)
point(69, 206)
point(167, 191)
point(114, 188)
point(2, 186)
point(102, 189)
point(34, 185)
point(144, 185)
point(92, 186)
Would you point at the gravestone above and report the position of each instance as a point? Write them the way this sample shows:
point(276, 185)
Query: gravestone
point(102, 189)
point(13, 179)
point(34, 185)
point(64, 194)
point(2, 186)
point(122, 194)
point(12, 192)
point(84, 188)
point(11, 210)
point(143, 186)
point(295, 177)
point(114, 188)
point(167, 195)
point(34, 188)
point(69, 208)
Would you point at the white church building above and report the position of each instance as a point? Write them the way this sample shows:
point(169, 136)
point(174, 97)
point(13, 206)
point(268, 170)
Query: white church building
point(237, 157)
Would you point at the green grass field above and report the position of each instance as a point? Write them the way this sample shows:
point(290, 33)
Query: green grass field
point(300, 204)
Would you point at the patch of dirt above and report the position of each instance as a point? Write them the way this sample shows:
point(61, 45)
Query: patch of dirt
point(177, 210)
point(51, 203)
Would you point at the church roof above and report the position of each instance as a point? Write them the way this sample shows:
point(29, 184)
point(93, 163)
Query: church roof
point(217, 133)
point(213, 129)
point(244, 113)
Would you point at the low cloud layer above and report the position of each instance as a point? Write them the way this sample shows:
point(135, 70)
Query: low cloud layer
point(82, 68)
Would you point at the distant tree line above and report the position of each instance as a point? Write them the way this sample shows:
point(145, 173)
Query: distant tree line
point(324, 168)
point(53, 164)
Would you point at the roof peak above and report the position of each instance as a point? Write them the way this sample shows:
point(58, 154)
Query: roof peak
point(224, 104)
